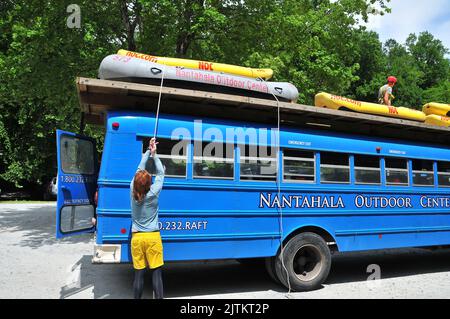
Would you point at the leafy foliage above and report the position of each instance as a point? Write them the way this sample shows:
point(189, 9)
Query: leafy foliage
point(318, 45)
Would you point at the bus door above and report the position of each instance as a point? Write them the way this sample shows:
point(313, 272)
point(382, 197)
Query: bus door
point(77, 182)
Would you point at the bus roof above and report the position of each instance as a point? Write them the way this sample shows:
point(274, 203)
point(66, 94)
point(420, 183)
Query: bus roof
point(97, 97)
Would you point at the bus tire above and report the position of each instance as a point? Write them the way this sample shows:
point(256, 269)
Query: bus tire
point(307, 262)
point(270, 267)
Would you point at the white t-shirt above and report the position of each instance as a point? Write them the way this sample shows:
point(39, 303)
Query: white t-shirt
point(385, 88)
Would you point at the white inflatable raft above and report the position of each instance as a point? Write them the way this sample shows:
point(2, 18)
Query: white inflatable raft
point(128, 68)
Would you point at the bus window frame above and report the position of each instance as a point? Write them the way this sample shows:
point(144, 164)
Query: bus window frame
point(348, 182)
point(76, 230)
point(367, 168)
point(438, 173)
point(407, 169)
point(145, 139)
point(67, 136)
point(222, 160)
point(242, 159)
point(268, 159)
point(299, 159)
point(426, 172)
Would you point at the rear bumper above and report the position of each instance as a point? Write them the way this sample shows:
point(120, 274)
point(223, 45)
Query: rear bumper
point(107, 254)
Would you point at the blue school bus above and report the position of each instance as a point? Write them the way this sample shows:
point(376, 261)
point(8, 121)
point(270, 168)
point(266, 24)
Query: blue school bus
point(236, 190)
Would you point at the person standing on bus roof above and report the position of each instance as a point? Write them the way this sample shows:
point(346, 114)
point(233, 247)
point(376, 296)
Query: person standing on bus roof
point(385, 92)
point(146, 244)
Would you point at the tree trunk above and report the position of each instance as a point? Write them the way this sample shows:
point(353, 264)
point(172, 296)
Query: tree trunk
point(186, 35)
point(131, 18)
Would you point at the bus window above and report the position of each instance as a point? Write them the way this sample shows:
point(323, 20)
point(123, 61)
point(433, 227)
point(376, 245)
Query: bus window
point(257, 164)
point(367, 170)
point(213, 160)
point(298, 166)
point(396, 171)
point(423, 173)
point(443, 173)
point(76, 218)
point(334, 167)
point(173, 155)
point(77, 156)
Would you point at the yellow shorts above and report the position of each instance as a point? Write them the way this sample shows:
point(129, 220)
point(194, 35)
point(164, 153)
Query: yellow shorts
point(146, 249)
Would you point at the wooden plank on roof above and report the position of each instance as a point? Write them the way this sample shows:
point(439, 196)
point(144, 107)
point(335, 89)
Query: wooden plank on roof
point(99, 96)
point(111, 87)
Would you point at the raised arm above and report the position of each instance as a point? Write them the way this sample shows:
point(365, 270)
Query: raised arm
point(144, 160)
point(145, 157)
point(159, 178)
point(141, 166)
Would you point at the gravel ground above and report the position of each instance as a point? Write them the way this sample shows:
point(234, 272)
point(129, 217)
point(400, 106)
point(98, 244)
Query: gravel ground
point(36, 265)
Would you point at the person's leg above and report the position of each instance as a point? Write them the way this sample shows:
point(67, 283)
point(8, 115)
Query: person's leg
point(139, 263)
point(138, 285)
point(157, 283)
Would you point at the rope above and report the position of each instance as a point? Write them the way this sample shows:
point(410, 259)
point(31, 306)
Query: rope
point(159, 101)
point(278, 163)
point(280, 224)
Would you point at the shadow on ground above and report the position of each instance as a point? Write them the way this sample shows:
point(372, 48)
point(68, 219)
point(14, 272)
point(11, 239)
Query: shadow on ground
point(105, 281)
point(38, 221)
point(212, 278)
point(184, 280)
point(181, 280)
point(393, 263)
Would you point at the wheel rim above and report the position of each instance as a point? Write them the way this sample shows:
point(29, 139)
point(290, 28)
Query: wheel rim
point(307, 263)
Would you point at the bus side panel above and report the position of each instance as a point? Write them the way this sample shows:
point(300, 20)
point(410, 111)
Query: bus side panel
point(219, 231)
point(357, 227)
point(233, 225)
point(211, 219)
point(120, 159)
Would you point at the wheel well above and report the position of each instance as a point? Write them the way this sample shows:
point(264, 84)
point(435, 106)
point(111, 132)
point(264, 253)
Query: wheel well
point(316, 230)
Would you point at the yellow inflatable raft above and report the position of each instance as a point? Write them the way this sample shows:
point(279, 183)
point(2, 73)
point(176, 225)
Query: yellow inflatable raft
point(438, 120)
point(437, 108)
point(342, 103)
point(202, 65)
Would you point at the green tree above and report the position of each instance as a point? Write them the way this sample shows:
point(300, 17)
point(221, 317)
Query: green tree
point(429, 56)
point(313, 44)
point(439, 93)
point(373, 64)
point(402, 65)
point(40, 58)
point(318, 45)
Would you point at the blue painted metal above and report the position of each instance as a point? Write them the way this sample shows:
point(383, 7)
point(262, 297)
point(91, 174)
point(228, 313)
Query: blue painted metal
point(74, 189)
point(242, 217)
